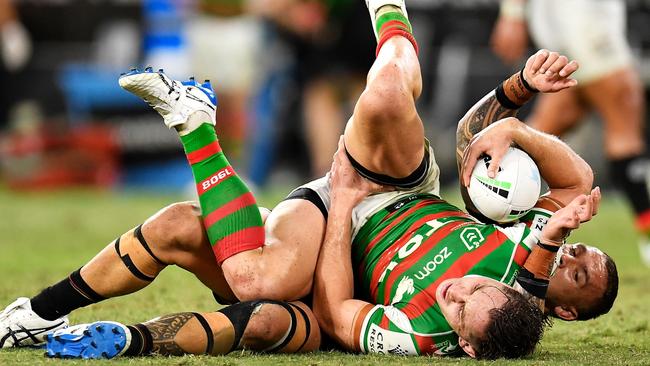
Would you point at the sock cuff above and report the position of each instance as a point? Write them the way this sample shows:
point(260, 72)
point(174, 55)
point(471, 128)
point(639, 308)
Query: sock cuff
point(393, 17)
point(643, 221)
point(240, 241)
point(79, 284)
point(385, 36)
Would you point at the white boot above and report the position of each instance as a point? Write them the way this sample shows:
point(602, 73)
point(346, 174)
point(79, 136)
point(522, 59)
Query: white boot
point(20, 326)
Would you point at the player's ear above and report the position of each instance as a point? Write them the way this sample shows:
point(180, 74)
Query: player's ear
point(567, 313)
point(468, 348)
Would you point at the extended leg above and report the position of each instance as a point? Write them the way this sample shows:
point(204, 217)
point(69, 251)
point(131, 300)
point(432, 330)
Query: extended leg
point(558, 113)
point(385, 134)
point(266, 326)
point(174, 235)
point(619, 99)
point(281, 270)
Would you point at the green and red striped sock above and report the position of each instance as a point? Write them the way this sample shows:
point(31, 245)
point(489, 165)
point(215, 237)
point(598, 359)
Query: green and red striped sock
point(390, 23)
point(230, 213)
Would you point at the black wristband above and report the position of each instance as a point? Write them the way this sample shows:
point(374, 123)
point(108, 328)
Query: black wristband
point(549, 247)
point(534, 286)
point(526, 85)
point(503, 99)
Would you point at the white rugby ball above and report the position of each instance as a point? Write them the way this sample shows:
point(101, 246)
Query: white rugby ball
point(511, 193)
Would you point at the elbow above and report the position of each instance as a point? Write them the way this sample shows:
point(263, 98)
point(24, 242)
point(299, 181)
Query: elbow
point(586, 181)
point(324, 317)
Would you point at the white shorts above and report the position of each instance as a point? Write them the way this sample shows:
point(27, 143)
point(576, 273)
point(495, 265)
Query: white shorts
point(225, 50)
point(589, 31)
point(373, 203)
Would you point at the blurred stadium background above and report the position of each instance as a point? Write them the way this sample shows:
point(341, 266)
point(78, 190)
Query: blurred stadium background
point(287, 82)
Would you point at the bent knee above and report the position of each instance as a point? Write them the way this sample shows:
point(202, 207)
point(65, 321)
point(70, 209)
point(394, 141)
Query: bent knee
point(387, 98)
point(282, 327)
point(177, 227)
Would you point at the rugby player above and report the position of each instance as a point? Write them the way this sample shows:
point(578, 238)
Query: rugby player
point(483, 329)
point(295, 228)
point(594, 33)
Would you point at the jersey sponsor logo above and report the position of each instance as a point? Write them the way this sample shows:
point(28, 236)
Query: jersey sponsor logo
point(385, 341)
point(215, 179)
point(405, 287)
point(415, 242)
point(472, 238)
point(445, 348)
point(431, 265)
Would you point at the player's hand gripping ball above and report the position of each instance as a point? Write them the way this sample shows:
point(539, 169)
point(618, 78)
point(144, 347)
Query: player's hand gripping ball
point(511, 193)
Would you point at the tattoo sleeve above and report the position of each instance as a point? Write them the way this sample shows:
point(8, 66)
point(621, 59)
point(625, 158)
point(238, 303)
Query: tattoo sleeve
point(498, 104)
point(163, 333)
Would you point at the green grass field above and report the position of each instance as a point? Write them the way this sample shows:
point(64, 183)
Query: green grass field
point(44, 236)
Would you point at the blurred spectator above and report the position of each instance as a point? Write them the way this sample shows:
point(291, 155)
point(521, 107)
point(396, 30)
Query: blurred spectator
point(14, 40)
point(333, 46)
point(224, 44)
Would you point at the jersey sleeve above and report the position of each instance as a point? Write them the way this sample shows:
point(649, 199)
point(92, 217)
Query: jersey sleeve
point(536, 219)
point(387, 330)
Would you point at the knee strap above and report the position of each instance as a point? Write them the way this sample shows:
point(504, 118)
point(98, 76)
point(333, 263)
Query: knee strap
point(138, 234)
point(307, 325)
point(290, 332)
point(208, 333)
point(128, 262)
point(239, 315)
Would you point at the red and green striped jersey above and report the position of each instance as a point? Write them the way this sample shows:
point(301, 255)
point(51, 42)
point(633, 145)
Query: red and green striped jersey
point(405, 251)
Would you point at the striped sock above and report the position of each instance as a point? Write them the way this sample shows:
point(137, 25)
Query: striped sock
point(230, 213)
point(391, 23)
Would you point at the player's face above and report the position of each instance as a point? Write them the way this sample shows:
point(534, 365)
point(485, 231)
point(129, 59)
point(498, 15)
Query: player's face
point(578, 281)
point(465, 303)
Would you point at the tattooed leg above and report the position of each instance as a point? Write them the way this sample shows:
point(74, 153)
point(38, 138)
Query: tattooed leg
point(266, 326)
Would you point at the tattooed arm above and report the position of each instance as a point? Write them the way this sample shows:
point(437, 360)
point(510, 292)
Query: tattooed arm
point(489, 128)
point(547, 72)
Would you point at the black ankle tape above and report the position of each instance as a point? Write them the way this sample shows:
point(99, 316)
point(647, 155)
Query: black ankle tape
point(126, 259)
point(307, 325)
point(138, 234)
point(80, 285)
point(208, 332)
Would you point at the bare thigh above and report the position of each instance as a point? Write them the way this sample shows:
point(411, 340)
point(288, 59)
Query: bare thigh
point(558, 113)
point(284, 268)
point(619, 99)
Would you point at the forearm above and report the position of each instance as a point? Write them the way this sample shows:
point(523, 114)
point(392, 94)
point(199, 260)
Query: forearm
point(565, 172)
point(512, 94)
point(333, 278)
point(534, 277)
